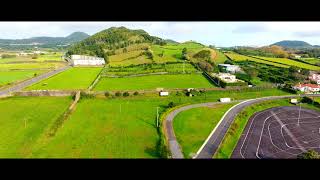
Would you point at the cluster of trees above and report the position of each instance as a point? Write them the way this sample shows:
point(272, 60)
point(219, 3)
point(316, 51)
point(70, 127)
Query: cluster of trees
point(8, 56)
point(204, 65)
point(118, 94)
point(267, 51)
point(310, 154)
point(312, 53)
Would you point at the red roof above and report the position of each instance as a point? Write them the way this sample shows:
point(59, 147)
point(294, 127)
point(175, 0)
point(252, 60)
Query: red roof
point(308, 85)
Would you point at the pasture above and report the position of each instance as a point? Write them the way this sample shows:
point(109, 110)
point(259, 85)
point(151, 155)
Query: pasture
point(24, 120)
point(193, 126)
point(77, 78)
point(99, 128)
point(151, 82)
point(239, 57)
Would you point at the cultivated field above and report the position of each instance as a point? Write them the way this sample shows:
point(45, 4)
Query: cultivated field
point(72, 79)
point(239, 57)
point(314, 61)
point(28, 66)
point(9, 77)
point(24, 120)
point(220, 58)
point(193, 126)
point(290, 62)
point(40, 58)
point(151, 82)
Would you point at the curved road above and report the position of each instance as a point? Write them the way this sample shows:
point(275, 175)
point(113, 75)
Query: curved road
point(212, 143)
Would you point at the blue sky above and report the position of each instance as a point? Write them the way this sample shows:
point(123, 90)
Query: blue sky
point(215, 33)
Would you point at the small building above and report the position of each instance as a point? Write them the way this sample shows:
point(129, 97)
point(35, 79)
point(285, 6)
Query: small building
point(296, 56)
point(190, 89)
point(229, 68)
point(225, 99)
point(309, 88)
point(86, 60)
point(314, 77)
point(164, 93)
point(227, 77)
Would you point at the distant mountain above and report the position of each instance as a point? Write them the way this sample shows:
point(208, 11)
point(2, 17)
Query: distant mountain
point(295, 44)
point(44, 41)
point(107, 41)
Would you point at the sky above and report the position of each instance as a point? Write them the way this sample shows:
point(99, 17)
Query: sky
point(220, 34)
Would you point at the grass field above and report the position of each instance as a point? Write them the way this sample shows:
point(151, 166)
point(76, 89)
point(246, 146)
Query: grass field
point(24, 120)
point(239, 57)
point(40, 65)
point(9, 77)
point(152, 82)
point(290, 62)
point(314, 61)
point(193, 126)
point(234, 132)
point(150, 68)
point(41, 58)
point(220, 57)
point(100, 128)
point(74, 78)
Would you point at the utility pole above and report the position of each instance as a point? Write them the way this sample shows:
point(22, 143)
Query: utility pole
point(157, 116)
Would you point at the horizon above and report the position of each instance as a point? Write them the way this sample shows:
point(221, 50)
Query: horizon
point(220, 34)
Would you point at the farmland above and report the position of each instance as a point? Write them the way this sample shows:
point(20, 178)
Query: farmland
point(40, 58)
point(74, 78)
point(99, 128)
point(314, 61)
point(28, 66)
point(152, 82)
point(24, 120)
point(290, 62)
point(220, 58)
point(239, 57)
point(149, 68)
point(193, 126)
point(9, 77)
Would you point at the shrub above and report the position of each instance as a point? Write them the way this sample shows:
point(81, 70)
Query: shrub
point(126, 94)
point(107, 94)
point(118, 94)
point(86, 95)
point(171, 105)
point(136, 93)
point(34, 56)
point(178, 93)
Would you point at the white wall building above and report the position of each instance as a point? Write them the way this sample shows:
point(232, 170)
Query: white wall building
point(307, 87)
point(315, 77)
point(228, 78)
point(230, 68)
point(86, 60)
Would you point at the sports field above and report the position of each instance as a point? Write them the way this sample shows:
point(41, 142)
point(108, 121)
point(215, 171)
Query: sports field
point(24, 120)
point(72, 79)
point(152, 82)
point(100, 128)
point(193, 126)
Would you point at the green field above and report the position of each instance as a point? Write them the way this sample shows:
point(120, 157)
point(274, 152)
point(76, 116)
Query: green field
point(290, 62)
point(26, 66)
point(41, 58)
point(314, 61)
point(193, 126)
point(220, 57)
point(152, 82)
point(24, 120)
point(239, 57)
point(9, 77)
point(100, 128)
point(71, 79)
point(234, 132)
point(149, 68)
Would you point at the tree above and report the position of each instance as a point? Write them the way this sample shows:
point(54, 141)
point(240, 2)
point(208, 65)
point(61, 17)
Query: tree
point(310, 154)
point(124, 50)
point(106, 58)
point(126, 94)
point(107, 94)
point(118, 94)
point(171, 105)
point(136, 93)
point(184, 53)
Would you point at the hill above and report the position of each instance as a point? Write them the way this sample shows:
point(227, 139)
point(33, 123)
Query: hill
point(294, 44)
point(44, 42)
point(106, 42)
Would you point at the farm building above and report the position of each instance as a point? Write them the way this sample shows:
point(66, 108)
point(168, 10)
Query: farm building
point(227, 77)
point(164, 93)
point(307, 87)
point(86, 60)
point(314, 77)
point(229, 68)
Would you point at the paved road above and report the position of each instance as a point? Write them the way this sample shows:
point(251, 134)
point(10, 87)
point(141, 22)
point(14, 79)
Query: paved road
point(213, 141)
point(29, 82)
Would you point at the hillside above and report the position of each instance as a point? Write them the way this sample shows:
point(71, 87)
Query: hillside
point(105, 43)
point(45, 42)
point(294, 44)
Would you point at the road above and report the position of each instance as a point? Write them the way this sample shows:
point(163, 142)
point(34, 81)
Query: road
point(216, 136)
point(24, 84)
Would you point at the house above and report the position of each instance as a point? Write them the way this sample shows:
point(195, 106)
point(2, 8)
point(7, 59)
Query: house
point(225, 100)
point(227, 77)
point(296, 56)
point(307, 88)
point(86, 60)
point(314, 77)
point(164, 93)
point(229, 68)
point(294, 101)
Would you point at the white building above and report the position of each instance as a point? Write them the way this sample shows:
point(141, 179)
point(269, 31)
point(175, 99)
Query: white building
point(86, 60)
point(164, 93)
point(307, 87)
point(227, 77)
point(225, 100)
point(230, 68)
point(315, 77)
